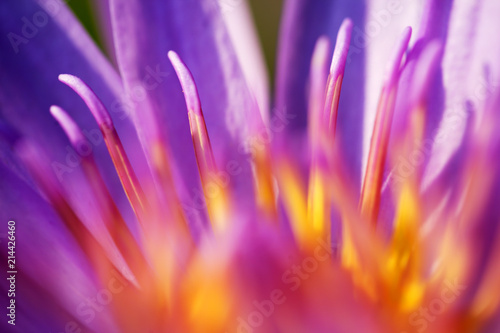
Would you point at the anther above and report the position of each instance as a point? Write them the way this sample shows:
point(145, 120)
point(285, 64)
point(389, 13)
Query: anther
point(370, 194)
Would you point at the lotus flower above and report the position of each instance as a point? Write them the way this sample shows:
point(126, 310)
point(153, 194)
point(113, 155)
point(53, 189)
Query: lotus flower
point(167, 194)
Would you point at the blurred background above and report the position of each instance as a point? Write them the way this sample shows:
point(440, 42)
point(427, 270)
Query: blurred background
point(266, 16)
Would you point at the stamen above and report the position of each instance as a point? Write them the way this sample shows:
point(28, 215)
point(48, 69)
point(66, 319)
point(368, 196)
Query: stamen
point(317, 204)
point(117, 227)
point(337, 74)
point(89, 97)
point(129, 180)
point(294, 200)
point(318, 79)
point(318, 207)
point(323, 110)
point(370, 194)
point(217, 204)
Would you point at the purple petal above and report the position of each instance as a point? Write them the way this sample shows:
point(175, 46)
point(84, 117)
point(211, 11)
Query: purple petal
point(144, 33)
point(471, 72)
point(39, 41)
point(48, 260)
point(241, 29)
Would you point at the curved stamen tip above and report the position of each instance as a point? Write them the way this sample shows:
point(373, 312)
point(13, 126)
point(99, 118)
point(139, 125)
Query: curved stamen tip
point(321, 51)
point(346, 25)
point(95, 105)
point(67, 124)
point(196, 119)
point(397, 56)
point(345, 30)
point(341, 46)
point(187, 82)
